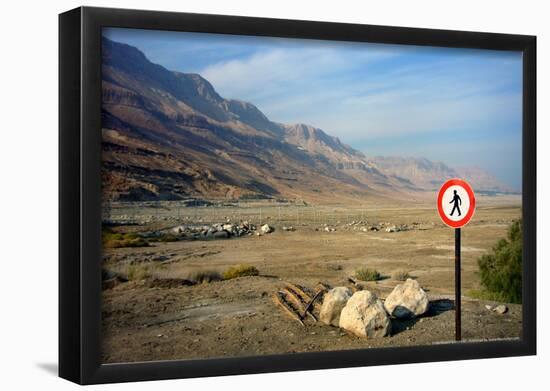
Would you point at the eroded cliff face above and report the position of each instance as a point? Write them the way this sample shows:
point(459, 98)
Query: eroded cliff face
point(169, 135)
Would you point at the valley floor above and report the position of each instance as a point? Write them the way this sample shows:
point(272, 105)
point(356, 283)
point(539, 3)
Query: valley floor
point(153, 319)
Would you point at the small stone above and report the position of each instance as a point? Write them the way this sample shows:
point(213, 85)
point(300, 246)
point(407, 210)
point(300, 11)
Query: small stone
point(266, 229)
point(500, 309)
point(221, 235)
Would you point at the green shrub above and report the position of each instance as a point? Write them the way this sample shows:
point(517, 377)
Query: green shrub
point(138, 273)
point(365, 274)
point(117, 240)
point(401, 275)
point(205, 276)
point(241, 270)
point(165, 237)
point(500, 271)
point(483, 294)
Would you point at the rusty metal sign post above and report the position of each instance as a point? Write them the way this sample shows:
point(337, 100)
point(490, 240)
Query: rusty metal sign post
point(456, 204)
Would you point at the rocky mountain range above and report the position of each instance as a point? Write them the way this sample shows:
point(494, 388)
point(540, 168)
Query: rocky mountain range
point(169, 135)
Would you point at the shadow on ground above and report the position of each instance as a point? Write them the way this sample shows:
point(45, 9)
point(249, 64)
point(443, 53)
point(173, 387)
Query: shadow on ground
point(437, 307)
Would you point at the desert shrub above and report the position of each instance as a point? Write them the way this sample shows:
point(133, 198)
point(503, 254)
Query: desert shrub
point(138, 273)
point(500, 272)
point(334, 267)
point(241, 270)
point(165, 237)
point(483, 294)
point(204, 276)
point(401, 275)
point(365, 274)
point(117, 240)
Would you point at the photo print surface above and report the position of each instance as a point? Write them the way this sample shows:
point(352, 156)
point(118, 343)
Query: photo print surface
point(266, 196)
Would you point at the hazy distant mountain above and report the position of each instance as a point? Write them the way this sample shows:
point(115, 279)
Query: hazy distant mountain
point(429, 175)
point(170, 135)
point(481, 180)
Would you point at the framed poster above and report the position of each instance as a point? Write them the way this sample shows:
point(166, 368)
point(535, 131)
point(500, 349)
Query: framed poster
point(245, 195)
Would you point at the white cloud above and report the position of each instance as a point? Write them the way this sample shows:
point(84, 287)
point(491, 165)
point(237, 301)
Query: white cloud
point(348, 94)
point(270, 75)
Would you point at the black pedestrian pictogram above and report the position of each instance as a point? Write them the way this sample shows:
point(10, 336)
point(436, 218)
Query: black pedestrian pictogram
point(457, 202)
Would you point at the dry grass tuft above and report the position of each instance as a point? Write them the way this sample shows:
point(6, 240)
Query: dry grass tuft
point(365, 274)
point(117, 240)
point(241, 270)
point(401, 275)
point(204, 276)
point(138, 273)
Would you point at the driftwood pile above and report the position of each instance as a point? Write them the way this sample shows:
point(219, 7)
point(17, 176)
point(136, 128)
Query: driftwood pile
point(299, 302)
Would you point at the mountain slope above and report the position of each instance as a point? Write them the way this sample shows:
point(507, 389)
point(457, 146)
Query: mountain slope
point(170, 135)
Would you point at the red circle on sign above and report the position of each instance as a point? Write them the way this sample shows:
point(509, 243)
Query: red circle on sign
point(468, 216)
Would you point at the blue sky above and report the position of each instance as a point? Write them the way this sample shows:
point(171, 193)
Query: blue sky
point(458, 106)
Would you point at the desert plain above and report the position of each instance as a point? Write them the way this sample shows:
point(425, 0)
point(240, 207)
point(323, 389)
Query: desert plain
point(159, 317)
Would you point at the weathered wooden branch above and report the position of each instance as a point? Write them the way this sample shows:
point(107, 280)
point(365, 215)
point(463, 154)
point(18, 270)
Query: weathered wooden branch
point(310, 304)
point(323, 286)
point(306, 297)
point(300, 305)
point(281, 302)
point(303, 295)
point(295, 299)
point(355, 286)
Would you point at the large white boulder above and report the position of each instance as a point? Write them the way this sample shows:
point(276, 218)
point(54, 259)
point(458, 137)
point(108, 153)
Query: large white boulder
point(333, 303)
point(407, 300)
point(364, 315)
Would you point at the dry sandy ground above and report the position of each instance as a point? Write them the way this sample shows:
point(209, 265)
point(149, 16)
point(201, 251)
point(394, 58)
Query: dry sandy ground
point(145, 321)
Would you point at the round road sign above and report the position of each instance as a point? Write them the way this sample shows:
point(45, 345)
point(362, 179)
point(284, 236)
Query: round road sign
point(456, 203)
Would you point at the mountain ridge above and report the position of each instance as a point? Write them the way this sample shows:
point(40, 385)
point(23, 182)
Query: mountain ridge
point(170, 135)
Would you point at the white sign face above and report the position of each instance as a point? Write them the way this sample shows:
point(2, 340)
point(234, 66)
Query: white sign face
point(455, 203)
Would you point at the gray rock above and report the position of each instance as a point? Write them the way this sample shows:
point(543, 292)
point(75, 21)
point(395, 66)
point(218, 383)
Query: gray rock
point(407, 300)
point(393, 228)
point(364, 315)
point(221, 235)
point(333, 303)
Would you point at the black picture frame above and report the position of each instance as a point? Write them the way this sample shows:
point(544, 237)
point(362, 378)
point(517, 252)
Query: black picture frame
point(80, 194)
